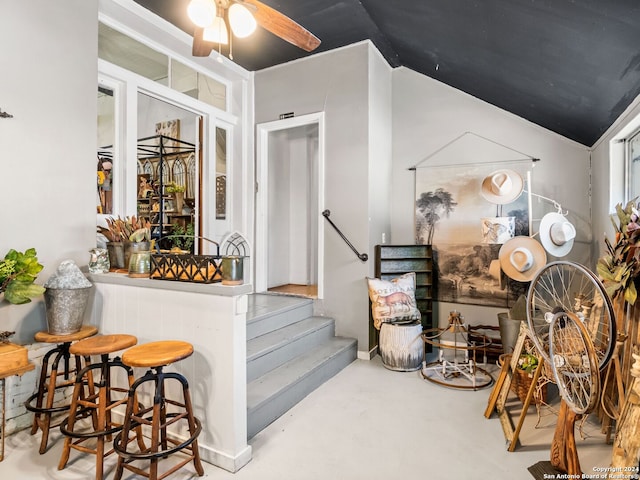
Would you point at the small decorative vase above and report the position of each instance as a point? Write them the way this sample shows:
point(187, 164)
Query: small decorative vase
point(116, 254)
point(134, 247)
point(140, 264)
point(99, 262)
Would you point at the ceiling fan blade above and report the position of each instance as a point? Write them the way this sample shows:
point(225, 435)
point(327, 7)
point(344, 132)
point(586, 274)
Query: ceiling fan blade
point(282, 26)
point(201, 48)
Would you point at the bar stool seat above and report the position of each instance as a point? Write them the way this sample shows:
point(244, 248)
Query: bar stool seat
point(155, 356)
point(98, 401)
point(103, 344)
point(41, 403)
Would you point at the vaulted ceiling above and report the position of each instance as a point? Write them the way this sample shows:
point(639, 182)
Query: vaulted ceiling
point(571, 66)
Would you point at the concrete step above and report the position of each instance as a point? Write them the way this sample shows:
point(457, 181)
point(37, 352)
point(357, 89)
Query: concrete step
point(272, 394)
point(271, 312)
point(269, 351)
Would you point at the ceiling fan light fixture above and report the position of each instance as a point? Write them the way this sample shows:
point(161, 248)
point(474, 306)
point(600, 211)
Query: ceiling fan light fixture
point(216, 32)
point(201, 12)
point(241, 20)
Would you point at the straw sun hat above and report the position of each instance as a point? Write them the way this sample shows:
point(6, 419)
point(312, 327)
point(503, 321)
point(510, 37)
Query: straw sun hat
point(502, 186)
point(521, 258)
point(557, 234)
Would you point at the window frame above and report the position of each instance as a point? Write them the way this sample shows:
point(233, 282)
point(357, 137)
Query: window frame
point(126, 86)
point(630, 194)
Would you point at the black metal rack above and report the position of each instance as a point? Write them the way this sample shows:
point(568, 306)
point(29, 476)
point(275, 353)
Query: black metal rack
point(161, 147)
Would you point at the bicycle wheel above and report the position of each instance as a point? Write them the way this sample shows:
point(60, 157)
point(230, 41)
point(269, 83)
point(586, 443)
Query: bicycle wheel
point(561, 288)
point(574, 363)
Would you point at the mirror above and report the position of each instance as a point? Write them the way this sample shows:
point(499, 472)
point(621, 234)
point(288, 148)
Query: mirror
point(106, 140)
point(221, 173)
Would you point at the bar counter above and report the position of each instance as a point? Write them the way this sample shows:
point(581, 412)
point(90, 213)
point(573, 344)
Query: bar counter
point(211, 317)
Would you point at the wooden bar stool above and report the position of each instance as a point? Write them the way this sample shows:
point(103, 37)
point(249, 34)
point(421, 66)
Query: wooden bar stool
point(155, 356)
point(44, 396)
point(99, 400)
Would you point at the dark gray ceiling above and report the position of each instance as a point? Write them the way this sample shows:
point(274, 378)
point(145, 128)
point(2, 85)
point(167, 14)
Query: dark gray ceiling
point(571, 66)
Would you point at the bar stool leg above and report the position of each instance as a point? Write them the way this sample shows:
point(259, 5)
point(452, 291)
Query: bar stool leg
point(192, 428)
point(155, 433)
point(42, 419)
point(40, 393)
point(132, 406)
point(66, 448)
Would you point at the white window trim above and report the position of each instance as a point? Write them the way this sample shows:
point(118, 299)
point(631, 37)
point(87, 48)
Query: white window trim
point(618, 176)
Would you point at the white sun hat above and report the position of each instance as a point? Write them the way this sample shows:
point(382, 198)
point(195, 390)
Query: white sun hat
point(557, 234)
point(521, 258)
point(502, 186)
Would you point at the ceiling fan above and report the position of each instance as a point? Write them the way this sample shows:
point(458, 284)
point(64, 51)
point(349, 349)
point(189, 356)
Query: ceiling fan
point(212, 17)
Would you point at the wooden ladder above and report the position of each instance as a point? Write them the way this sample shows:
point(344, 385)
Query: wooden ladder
point(498, 398)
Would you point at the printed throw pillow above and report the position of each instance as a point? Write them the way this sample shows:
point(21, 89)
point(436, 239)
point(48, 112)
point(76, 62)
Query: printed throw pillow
point(393, 301)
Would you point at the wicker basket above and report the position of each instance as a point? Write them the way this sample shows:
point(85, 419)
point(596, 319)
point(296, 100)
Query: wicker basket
point(521, 382)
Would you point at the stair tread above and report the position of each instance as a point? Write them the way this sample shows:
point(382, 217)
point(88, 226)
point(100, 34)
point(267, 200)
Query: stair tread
point(256, 347)
point(262, 306)
point(289, 373)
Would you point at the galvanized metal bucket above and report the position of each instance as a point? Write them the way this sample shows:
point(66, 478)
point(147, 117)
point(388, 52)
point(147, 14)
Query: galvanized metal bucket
point(65, 309)
point(232, 271)
point(116, 254)
point(509, 331)
point(401, 346)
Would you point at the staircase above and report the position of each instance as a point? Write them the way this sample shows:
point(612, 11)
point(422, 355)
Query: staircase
point(290, 352)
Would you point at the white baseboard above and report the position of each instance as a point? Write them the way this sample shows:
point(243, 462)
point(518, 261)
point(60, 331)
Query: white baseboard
point(224, 460)
point(368, 355)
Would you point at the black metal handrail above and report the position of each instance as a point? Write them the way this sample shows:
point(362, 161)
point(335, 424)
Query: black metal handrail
point(362, 256)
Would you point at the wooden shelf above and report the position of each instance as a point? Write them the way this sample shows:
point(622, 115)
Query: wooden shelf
point(395, 260)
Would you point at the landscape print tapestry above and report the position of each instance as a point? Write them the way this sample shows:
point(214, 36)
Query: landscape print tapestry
point(449, 215)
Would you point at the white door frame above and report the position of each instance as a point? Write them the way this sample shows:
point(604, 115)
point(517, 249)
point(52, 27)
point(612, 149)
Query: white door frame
point(262, 195)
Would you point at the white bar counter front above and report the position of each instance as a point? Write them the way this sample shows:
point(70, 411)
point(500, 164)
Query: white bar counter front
point(211, 317)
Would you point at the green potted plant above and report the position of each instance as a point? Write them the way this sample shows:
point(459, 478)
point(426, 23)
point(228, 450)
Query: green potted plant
point(18, 271)
point(183, 238)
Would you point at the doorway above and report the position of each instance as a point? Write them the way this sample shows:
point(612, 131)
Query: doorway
point(289, 202)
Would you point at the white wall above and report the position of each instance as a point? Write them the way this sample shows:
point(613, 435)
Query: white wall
point(47, 154)
point(48, 165)
point(279, 209)
point(336, 83)
point(427, 115)
point(300, 167)
point(380, 150)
